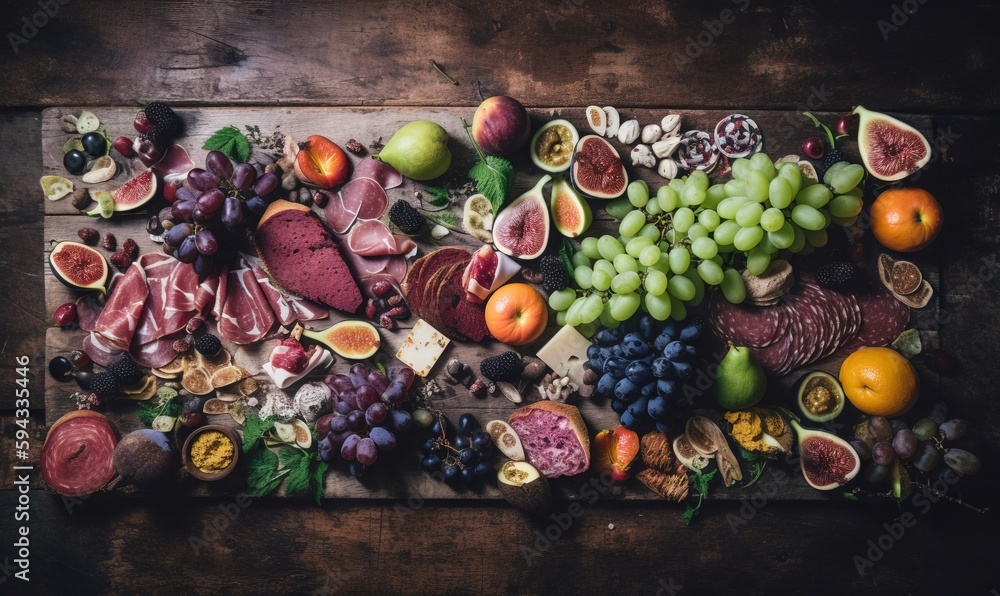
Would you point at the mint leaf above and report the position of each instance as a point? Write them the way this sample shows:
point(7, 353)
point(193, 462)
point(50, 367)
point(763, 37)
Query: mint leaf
point(446, 219)
point(231, 141)
point(300, 476)
point(493, 174)
point(263, 476)
point(318, 474)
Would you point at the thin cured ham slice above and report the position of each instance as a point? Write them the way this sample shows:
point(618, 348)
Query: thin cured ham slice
point(175, 162)
point(119, 320)
point(306, 310)
point(88, 308)
point(386, 175)
point(372, 238)
point(176, 295)
point(78, 455)
point(338, 214)
point(99, 351)
point(157, 353)
point(281, 307)
point(367, 196)
point(246, 314)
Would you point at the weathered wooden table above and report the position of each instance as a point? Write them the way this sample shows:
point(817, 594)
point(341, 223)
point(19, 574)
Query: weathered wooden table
point(768, 61)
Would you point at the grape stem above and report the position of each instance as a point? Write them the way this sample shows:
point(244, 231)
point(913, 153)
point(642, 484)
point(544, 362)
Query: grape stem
point(888, 495)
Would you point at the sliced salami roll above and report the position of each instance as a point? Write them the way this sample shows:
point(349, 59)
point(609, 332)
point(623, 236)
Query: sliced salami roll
point(747, 325)
point(883, 318)
point(78, 455)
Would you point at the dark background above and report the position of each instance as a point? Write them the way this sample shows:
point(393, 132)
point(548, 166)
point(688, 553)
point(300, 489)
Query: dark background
point(931, 57)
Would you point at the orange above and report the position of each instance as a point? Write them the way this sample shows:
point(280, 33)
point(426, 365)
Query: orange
point(516, 314)
point(879, 382)
point(906, 219)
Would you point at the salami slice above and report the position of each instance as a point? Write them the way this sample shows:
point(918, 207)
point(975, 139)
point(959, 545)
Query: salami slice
point(78, 455)
point(771, 357)
point(846, 322)
point(883, 318)
point(746, 325)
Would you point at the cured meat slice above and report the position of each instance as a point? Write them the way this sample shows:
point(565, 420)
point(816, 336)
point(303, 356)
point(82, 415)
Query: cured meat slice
point(338, 214)
point(367, 195)
point(386, 175)
point(176, 295)
point(396, 268)
point(372, 238)
point(246, 314)
point(746, 325)
point(883, 318)
point(119, 320)
point(281, 308)
point(554, 436)
point(175, 162)
point(773, 356)
point(99, 351)
point(88, 308)
point(157, 353)
point(466, 318)
point(78, 455)
point(306, 310)
point(220, 294)
point(414, 284)
point(846, 321)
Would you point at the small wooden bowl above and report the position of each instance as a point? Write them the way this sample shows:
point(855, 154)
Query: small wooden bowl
point(193, 469)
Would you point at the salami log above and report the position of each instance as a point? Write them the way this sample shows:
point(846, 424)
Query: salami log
point(78, 454)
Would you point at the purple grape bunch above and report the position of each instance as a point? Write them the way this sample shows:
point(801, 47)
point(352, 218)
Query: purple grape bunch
point(367, 415)
point(211, 208)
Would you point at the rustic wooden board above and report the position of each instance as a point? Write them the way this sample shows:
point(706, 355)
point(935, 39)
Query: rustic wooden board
point(400, 477)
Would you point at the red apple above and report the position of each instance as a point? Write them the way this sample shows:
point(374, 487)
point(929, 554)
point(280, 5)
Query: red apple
point(501, 125)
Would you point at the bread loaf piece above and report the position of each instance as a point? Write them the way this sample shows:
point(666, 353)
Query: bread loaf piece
point(554, 437)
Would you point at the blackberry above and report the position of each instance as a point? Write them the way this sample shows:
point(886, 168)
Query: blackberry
point(835, 275)
point(163, 118)
point(126, 370)
point(105, 385)
point(554, 274)
point(405, 217)
point(208, 345)
point(158, 138)
point(502, 367)
point(832, 156)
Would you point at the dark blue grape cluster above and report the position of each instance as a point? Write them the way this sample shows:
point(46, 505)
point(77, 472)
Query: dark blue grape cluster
point(643, 368)
point(458, 455)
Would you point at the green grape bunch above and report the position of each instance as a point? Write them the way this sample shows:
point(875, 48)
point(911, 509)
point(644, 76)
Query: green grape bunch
point(692, 234)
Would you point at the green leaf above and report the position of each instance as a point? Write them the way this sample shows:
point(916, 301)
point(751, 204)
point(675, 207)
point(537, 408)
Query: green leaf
point(446, 219)
point(850, 496)
point(300, 476)
point(318, 473)
point(565, 255)
point(700, 481)
point(263, 476)
point(254, 428)
point(438, 196)
point(149, 410)
point(493, 174)
point(231, 141)
point(148, 413)
point(689, 513)
point(290, 457)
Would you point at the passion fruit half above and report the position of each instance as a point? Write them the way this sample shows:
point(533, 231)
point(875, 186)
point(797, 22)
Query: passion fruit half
point(819, 396)
point(552, 146)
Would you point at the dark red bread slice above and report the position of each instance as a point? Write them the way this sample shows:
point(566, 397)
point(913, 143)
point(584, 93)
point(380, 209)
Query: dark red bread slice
point(466, 319)
point(415, 283)
point(304, 258)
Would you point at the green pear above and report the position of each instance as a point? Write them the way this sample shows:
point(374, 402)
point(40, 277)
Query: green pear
point(419, 150)
point(740, 381)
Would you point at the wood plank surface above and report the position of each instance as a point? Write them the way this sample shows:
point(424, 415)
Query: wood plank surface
point(686, 53)
point(399, 477)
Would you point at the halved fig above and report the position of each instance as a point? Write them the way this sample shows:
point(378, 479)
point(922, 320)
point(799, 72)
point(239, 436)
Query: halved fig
point(597, 170)
point(352, 339)
point(827, 461)
point(505, 439)
point(477, 218)
point(552, 146)
point(136, 192)
point(692, 459)
point(521, 229)
point(79, 266)
point(905, 277)
point(820, 396)
point(890, 149)
point(570, 212)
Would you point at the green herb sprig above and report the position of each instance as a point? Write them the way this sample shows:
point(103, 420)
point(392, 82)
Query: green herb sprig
point(493, 174)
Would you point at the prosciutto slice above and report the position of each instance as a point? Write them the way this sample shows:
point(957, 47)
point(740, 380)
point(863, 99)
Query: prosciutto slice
point(99, 351)
point(386, 175)
point(158, 352)
point(368, 195)
point(246, 313)
point(338, 214)
point(118, 321)
point(176, 296)
point(372, 238)
point(175, 162)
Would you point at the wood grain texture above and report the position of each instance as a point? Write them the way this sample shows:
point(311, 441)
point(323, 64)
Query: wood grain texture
point(110, 546)
point(573, 52)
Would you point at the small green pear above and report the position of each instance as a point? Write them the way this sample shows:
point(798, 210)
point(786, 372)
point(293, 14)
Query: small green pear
point(419, 150)
point(740, 382)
